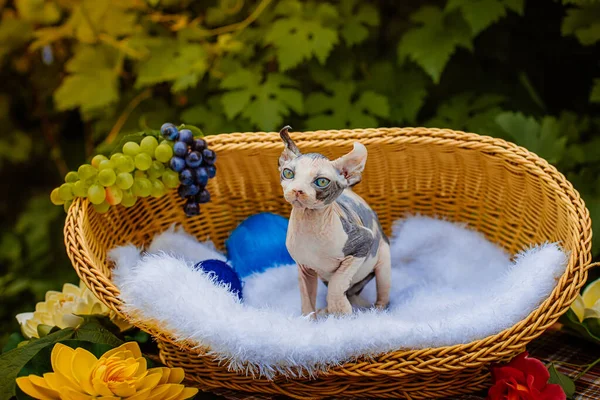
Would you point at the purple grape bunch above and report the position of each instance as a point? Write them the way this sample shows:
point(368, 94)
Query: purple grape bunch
point(194, 162)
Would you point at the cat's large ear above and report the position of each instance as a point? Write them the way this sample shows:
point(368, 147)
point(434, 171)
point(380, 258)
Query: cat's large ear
point(352, 164)
point(291, 151)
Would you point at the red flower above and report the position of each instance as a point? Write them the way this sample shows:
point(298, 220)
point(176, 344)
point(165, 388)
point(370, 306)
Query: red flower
point(523, 378)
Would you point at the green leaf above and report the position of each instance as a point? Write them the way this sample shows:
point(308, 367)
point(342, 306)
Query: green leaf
point(14, 33)
point(13, 341)
point(93, 83)
point(357, 18)
point(182, 63)
point(264, 103)
point(90, 18)
point(561, 379)
point(543, 139)
point(406, 89)
point(92, 330)
point(480, 14)
point(584, 23)
point(301, 35)
point(434, 40)
point(13, 361)
point(39, 12)
point(211, 117)
point(337, 109)
point(595, 93)
point(470, 112)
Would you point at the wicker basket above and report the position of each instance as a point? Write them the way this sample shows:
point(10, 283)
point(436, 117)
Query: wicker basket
point(511, 195)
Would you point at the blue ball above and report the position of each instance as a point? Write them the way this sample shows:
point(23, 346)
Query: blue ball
point(223, 273)
point(258, 244)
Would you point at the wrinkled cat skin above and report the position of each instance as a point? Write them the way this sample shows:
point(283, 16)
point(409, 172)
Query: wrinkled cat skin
point(333, 234)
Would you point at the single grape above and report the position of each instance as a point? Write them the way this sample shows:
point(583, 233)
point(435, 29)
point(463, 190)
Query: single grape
point(169, 131)
point(203, 197)
point(194, 159)
point(143, 161)
point(186, 191)
point(71, 177)
point(148, 145)
point(171, 179)
point(186, 177)
point(156, 170)
point(125, 164)
point(96, 194)
point(186, 136)
point(209, 156)
point(114, 195)
point(180, 149)
point(102, 207)
point(199, 144)
point(116, 157)
point(55, 198)
point(86, 171)
point(97, 160)
point(131, 149)
point(107, 177)
point(128, 198)
point(158, 188)
point(163, 153)
point(65, 191)
point(142, 187)
point(201, 176)
point(106, 164)
point(191, 208)
point(177, 164)
point(80, 188)
point(168, 142)
point(212, 171)
point(67, 205)
point(124, 180)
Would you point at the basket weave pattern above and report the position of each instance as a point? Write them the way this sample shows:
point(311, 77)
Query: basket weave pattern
point(510, 195)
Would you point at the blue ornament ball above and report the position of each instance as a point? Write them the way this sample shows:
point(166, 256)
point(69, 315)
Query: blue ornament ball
point(258, 244)
point(223, 273)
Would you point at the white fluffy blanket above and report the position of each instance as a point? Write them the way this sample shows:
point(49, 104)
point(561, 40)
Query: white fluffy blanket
point(450, 286)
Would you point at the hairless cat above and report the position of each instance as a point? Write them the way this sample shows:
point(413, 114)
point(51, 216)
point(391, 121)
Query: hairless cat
point(333, 234)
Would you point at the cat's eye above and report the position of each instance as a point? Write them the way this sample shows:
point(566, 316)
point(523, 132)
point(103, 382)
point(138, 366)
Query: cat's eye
point(288, 173)
point(322, 182)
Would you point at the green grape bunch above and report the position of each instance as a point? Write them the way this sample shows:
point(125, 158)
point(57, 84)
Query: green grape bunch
point(139, 170)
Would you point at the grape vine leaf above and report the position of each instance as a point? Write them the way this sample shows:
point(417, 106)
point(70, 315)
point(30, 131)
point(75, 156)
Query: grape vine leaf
point(337, 110)
point(357, 20)
point(595, 93)
point(180, 62)
point(13, 34)
point(39, 12)
point(93, 17)
point(432, 43)
point(471, 112)
point(306, 32)
point(480, 14)
point(406, 89)
point(543, 138)
point(263, 102)
point(92, 82)
point(211, 117)
point(584, 23)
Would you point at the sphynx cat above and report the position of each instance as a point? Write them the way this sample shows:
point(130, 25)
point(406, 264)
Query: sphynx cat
point(333, 234)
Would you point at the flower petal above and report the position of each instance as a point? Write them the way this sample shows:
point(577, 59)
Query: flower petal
point(101, 388)
point(578, 307)
point(61, 359)
point(23, 317)
point(149, 382)
point(591, 293)
point(70, 394)
point(123, 389)
point(158, 392)
point(187, 393)
point(133, 347)
point(176, 375)
point(534, 367)
point(56, 381)
point(173, 392)
point(83, 364)
point(26, 385)
point(141, 395)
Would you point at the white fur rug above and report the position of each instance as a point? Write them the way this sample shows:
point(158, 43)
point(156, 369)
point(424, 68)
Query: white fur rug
point(450, 286)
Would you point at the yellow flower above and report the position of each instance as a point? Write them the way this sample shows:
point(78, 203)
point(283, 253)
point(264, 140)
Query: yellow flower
point(60, 309)
point(120, 373)
point(587, 304)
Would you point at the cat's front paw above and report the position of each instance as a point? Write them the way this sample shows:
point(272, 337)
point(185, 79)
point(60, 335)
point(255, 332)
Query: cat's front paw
point(381, 306)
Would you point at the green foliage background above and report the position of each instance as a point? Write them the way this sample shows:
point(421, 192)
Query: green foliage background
point(76, 75)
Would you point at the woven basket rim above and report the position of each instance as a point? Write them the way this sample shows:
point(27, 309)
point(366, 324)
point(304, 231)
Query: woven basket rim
point(506, 343)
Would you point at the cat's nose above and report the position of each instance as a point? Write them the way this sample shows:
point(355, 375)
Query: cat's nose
point(298, 192)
